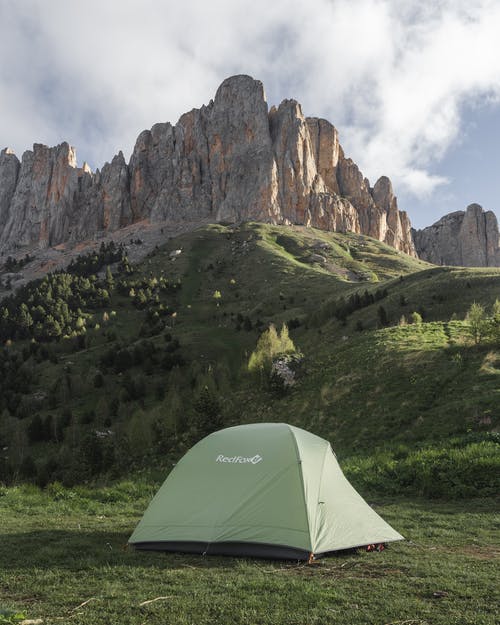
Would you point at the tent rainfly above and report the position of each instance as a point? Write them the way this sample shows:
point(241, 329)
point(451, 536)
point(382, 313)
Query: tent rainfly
point(268, 490)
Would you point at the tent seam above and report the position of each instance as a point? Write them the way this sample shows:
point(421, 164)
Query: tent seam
point(301, 474)
point(327, 447)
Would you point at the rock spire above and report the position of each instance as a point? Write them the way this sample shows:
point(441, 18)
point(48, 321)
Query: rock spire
point(467, 238)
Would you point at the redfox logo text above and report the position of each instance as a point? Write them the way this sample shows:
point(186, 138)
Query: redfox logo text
point(238, 459)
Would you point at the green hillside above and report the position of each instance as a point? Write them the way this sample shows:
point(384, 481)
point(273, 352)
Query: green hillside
point(110, 367)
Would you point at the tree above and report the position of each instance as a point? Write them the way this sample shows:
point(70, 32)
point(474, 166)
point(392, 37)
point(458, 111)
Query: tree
point(416, 318)
point(36, 429)
point(25, 319)
point(478, 322)
point(382, 316)
point(51, 328)
point(110, 282)
point(247, 323)
point(209, 412)
point(98, 380)
point(286, 343)
point(269, 345)
point(217, 297)
point(80, 323)
point(91, 453)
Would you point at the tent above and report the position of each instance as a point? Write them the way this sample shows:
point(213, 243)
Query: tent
point(264, 489)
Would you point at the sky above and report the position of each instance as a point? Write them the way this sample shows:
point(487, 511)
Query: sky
point(413, 86)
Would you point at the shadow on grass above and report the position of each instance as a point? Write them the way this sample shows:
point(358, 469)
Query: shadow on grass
point(77, 549)
point(80, 549)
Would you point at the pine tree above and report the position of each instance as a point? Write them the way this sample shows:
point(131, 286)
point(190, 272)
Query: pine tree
point(382, 316)
point(36, 429)
point(110, 282)
point(217, 297)
point(25, 318)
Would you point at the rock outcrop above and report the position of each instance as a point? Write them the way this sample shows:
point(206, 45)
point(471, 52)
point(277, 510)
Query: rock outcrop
point(9, 171)
point(468, 239)
point(232, 160)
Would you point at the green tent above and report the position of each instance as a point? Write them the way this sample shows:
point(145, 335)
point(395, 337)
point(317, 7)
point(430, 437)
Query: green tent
point(265, 489)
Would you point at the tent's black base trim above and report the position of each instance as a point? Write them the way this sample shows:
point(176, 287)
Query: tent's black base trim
point(254, 550)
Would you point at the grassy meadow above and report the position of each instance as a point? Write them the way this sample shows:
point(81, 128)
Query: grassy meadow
point(97, 406)
point(62, 559)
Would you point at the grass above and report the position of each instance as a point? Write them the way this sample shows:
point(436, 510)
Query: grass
point(363, 387)
point(415, 384)
point(411, 410)
point(455, 468)
point(62, 559)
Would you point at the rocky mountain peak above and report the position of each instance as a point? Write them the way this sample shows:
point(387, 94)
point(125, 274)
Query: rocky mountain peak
point(232, 160)
point(241, 91)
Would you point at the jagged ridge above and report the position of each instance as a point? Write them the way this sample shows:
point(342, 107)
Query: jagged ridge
point(232, 160)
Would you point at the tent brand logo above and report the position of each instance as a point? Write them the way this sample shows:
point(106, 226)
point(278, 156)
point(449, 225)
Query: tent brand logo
point(238, 459)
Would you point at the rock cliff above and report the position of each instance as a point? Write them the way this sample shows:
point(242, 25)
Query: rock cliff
point(468, 238)
point(232, 160)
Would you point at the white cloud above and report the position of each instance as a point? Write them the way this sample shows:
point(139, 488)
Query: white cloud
point(393, 75)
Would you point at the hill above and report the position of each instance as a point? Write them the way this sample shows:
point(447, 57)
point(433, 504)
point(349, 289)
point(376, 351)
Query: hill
point(108, 366)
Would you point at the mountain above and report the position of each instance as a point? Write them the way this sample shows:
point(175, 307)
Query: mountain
point(468, 238)
point(230, 161)
point(129, 367)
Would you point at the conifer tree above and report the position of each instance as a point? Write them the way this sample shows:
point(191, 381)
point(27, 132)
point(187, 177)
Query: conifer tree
point(110, 282)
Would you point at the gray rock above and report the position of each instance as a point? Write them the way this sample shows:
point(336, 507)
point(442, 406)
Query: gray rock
point(317, 258)
point(230, 161)
point(42, 204)
point(9, 171)
point(468, 239)
point(321, 245)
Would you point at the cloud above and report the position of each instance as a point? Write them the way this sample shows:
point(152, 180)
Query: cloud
point(393, 75)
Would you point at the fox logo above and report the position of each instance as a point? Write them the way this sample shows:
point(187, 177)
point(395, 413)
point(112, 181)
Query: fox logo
point(239, 459)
